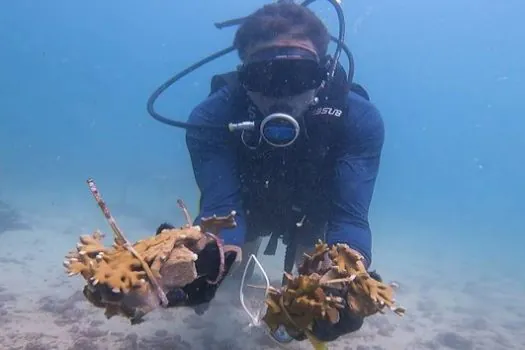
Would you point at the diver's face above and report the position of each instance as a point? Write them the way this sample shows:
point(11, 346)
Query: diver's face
point(294, 105)
point(283, 75)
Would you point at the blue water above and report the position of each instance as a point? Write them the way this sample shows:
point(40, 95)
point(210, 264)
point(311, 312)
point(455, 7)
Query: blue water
point(448, 77)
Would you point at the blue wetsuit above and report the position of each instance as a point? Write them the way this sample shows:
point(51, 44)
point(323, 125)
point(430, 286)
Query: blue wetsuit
point(329, 174)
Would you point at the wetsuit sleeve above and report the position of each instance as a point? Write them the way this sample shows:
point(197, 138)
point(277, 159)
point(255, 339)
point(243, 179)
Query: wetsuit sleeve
point(215, 167)
point(354, 179)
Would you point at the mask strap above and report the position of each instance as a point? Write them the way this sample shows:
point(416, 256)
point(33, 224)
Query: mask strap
point(282, 52)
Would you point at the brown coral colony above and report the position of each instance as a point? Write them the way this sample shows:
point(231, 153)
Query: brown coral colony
point(132, 280)
point(302, 299)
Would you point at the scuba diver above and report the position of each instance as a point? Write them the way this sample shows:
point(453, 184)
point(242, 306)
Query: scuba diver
point(288, 141)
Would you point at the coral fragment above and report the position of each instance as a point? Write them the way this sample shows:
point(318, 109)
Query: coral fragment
point(307, 297)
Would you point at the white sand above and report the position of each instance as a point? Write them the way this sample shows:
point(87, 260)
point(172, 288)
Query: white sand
point(451, 304)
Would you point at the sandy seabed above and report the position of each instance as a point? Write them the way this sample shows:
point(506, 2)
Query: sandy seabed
point(450, 305)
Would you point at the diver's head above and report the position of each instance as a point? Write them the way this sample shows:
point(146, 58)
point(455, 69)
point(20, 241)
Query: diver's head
point(282, 48)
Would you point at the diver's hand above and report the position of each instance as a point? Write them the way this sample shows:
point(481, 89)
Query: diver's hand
point(348, 322)
point(326, 331)
point(202, 290)
point(350, 319)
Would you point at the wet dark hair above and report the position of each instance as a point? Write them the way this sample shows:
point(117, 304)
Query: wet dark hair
point(278, 19)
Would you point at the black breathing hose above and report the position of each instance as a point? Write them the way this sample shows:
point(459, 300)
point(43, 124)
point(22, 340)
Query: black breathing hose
point(155, 95)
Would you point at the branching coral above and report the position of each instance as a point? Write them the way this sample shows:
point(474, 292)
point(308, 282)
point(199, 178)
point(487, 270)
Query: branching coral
point(306, 297)
point(133, 279)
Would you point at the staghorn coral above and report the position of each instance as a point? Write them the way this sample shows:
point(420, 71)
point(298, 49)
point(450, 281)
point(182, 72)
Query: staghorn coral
point(133, 279)
point(307, 297)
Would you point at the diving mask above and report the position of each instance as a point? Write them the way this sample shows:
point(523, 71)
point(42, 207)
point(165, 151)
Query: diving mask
point(282, 76)
point(282, 89)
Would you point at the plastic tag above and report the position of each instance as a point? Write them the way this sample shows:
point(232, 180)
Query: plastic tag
point(257, 313)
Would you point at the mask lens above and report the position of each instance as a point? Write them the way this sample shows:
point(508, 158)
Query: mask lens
point(282, 77)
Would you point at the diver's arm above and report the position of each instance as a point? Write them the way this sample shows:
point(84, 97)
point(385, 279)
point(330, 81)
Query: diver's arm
point(215, 167)
point(356, 170)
